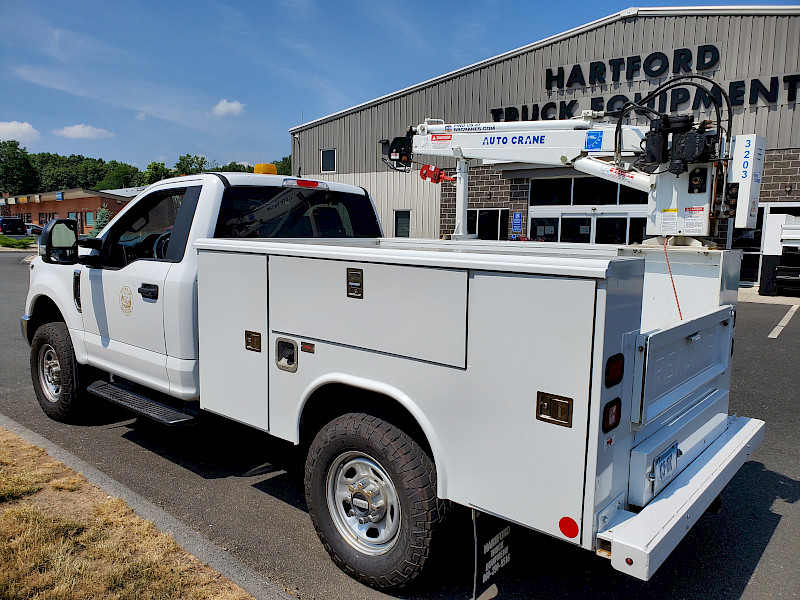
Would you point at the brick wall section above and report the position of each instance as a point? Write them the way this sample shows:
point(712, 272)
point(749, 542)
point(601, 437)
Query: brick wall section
point(487, 189)
point(781, 170)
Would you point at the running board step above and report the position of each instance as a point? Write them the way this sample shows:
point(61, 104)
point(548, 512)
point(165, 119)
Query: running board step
point(139, 404)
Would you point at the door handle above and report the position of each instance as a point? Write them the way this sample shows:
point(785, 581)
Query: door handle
point(149, 290)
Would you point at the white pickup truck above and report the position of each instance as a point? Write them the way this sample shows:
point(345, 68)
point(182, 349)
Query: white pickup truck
point(554, 386)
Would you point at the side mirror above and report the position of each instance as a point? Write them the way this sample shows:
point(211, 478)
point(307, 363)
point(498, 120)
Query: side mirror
point(58, 243)
point(93, 243)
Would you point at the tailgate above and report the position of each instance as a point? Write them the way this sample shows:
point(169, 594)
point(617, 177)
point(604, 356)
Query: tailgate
point(679, 364)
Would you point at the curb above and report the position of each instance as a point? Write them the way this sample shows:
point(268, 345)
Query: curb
point(245, 577)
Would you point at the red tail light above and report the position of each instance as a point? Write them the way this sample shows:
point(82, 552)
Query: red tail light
point(615, 367)
point(612, 413)
point(304, 183)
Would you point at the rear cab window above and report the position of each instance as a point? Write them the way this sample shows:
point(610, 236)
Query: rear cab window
point(291, 212)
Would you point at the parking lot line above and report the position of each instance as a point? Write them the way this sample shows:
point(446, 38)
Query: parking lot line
point(784, 321)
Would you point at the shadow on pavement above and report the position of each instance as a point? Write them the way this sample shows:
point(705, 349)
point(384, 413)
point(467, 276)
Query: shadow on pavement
point(714, 561)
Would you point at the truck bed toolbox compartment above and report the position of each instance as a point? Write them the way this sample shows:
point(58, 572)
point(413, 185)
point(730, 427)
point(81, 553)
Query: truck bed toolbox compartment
point(414, 312)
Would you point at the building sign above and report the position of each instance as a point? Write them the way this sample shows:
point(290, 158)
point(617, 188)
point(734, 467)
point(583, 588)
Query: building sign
point(59, 196)
point(22, 200)
point(516, 222)
point(600, 76)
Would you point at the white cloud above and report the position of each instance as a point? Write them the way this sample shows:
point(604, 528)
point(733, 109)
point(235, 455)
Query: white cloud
point(24, 133)
point(83, 132)
point(225, 108)
point(141, 116)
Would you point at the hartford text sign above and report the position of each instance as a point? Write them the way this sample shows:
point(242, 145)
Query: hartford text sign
point(612, 74)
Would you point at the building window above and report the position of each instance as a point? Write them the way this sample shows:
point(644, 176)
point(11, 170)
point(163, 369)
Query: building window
point(328, 159)
point(402, 223)
point(488, 223)
point(544, 229)
point(90, 218)
point(582, 191)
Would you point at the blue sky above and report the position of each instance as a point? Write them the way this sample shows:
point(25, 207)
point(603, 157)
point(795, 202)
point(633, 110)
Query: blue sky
point(144, 81)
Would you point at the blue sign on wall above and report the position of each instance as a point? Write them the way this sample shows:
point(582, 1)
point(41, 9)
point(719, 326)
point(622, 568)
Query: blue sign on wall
point(59, 196)
point(516, 222)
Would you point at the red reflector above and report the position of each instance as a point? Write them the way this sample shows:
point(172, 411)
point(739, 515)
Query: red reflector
point(612, 414)
point(307, 183)
point(614, 370)
point(629, 561)
point(568, 527)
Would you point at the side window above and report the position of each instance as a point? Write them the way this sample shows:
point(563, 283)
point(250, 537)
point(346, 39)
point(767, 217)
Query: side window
point(150, 228)
point(328, 159)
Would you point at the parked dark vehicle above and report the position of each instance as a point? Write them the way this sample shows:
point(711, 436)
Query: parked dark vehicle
point(12, 226)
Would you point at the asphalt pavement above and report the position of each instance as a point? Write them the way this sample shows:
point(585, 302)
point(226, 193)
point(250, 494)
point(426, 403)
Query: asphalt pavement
point(242, 490)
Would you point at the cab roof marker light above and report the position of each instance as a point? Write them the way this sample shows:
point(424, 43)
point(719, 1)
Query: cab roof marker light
point(305, 183)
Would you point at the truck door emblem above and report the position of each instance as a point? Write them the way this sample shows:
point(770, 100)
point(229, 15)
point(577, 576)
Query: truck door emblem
point(126, 300)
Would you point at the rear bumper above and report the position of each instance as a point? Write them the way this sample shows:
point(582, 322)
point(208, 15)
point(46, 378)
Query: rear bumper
point(646, 539)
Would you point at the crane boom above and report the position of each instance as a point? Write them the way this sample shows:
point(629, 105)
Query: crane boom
point(682, 166)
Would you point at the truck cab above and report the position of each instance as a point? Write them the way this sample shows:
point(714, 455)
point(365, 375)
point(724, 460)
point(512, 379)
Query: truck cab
point(129, 300)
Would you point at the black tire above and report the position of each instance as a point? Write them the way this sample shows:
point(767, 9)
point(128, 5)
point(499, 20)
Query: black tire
point(374, 460)
point(55, 373)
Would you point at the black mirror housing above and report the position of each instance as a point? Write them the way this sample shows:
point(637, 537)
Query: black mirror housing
point(91, 260)
point(58, 242)
point(93, 243)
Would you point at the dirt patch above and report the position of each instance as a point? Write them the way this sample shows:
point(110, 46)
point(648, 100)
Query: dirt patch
point(62, 537)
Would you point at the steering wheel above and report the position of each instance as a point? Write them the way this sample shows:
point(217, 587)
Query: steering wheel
point(161, 244)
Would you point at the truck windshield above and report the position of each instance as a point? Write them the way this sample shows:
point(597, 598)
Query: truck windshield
point(281, 212)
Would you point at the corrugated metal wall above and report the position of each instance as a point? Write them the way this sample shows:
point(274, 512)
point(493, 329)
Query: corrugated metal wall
point(393, 191)
point(750, 47)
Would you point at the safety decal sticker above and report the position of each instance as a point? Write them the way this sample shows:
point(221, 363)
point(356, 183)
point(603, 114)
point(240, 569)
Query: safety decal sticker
point(594, 140)
point(126, 301)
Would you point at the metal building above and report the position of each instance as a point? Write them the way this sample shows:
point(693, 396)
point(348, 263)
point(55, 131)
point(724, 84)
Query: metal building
point(752, 51)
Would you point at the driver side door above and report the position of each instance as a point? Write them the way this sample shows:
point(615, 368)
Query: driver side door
point(123, 300)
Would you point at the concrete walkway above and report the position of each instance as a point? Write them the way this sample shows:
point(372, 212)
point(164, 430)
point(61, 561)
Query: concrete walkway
point(750, 294)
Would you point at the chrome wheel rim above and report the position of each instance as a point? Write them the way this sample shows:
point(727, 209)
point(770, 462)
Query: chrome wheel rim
point(50, 373)
point(363, 503)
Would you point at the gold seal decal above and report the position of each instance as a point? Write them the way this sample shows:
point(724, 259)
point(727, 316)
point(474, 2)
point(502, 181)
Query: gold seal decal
point(126, 300)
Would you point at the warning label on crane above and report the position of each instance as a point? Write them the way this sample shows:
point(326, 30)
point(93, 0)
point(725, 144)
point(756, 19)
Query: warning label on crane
point(693, 220)
point(669, 220)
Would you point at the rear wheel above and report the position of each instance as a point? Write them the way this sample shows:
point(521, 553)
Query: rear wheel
point(371, 494)
point(55, 372)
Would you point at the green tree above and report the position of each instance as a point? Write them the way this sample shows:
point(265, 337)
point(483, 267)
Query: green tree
point(58, 172)
point(103, 217)
point(284, 165)
point(235, 168)
point(118, 175)
point(156, 171)
point(190, 165)
point(17, 173)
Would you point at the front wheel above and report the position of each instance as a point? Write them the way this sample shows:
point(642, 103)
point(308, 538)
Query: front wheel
point(371, 494)
point(54, 371)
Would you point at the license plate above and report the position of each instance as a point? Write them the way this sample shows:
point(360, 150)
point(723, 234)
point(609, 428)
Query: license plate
point(665, 467)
